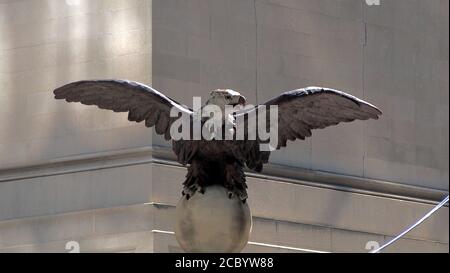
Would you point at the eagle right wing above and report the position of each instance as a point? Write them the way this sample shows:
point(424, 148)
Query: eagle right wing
point(302, 110)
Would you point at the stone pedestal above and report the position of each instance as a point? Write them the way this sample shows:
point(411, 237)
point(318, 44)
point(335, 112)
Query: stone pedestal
point(212, 222)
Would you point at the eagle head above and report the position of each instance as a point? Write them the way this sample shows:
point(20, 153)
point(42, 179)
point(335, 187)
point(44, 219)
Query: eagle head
point(222, 97)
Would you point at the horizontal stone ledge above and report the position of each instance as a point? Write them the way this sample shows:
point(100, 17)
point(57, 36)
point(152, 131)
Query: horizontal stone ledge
point(314, 237)
point(118, 229)
point(110, 243)
point(164, 242)
point(78, 163)
point(165, 156)
point(126, 228)
point(77, 225)
point(299, 203)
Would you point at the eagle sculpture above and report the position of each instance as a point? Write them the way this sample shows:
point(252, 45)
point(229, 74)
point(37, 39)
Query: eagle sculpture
point(221, 161)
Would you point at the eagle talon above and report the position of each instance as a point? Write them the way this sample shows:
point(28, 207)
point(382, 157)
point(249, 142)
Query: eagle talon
point(188, 192)
point(243, 196)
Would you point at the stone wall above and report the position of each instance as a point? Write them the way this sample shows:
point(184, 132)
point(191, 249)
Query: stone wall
point(45, 44)
point(394, 55)
point(70, 172)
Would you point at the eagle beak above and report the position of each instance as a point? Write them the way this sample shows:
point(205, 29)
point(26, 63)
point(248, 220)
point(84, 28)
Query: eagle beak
point(242, 100)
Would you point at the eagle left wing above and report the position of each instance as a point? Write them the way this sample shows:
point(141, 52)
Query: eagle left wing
point(302, 110)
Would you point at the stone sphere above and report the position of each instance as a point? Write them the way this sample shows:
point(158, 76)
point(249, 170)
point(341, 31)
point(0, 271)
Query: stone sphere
point(212, 222)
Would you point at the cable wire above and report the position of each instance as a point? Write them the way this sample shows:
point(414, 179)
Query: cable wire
point(438, 206)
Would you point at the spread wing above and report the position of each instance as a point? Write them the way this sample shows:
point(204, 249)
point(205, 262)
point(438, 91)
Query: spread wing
point(140, 101)
point(302, 110)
